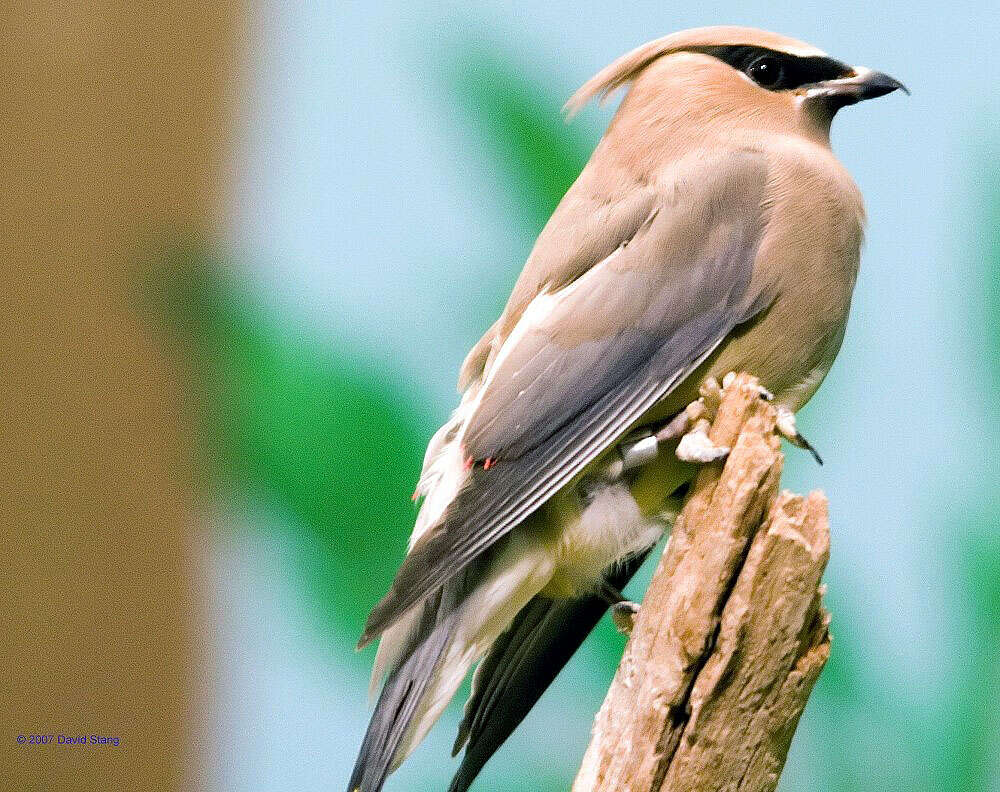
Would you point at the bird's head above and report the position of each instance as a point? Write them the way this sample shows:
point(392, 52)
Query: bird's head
point(717, 77)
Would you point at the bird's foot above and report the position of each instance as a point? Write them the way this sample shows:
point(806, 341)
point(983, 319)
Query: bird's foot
point(640, 449)
point(691, 425)
point(623, 611)
point(787, 429)
point(696, 446)
point(727, 380)
point(623, 615)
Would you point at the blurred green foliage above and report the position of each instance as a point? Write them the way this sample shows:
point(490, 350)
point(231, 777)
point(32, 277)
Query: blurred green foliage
point(971, 750)
point(536, 154)
point(334, 445)
point(969, 759)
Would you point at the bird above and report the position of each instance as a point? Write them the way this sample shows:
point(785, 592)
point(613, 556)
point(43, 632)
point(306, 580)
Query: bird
point(712, 230)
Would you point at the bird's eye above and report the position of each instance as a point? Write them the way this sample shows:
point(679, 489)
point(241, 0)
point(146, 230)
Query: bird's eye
point(766, 71)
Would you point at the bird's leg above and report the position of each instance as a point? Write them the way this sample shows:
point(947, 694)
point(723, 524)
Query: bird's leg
point(691, 425)
point(623, 611)
point(787, 429)
point(638, 450)
point(677, 425)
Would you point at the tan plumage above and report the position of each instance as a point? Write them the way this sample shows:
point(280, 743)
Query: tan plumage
point(712, 230)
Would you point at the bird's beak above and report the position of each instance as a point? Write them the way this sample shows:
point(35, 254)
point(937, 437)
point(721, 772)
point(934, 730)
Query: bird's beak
point(862, 83)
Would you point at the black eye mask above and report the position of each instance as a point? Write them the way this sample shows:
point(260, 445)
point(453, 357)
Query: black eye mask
point(778, 71)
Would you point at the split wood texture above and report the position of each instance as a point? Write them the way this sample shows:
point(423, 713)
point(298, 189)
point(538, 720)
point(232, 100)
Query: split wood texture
point(731, 635)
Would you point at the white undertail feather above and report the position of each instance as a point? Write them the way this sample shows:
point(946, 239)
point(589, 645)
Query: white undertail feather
point(443, 475)
point(610, 527)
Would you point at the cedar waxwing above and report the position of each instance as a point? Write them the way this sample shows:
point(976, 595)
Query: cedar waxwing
point(712, 231)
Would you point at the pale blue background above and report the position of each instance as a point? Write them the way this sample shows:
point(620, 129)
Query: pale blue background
point(391, 232)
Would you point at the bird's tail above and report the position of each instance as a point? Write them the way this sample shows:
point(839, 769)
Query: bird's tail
point(389, 736)
point(433, 654)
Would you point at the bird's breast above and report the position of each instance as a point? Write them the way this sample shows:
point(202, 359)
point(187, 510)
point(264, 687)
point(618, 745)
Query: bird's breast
point(808, 259)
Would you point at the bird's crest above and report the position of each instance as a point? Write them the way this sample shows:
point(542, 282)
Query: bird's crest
point(627, 67)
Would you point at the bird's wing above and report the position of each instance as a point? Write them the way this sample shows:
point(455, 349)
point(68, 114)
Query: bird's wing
point(520, 666)
point(587, 361)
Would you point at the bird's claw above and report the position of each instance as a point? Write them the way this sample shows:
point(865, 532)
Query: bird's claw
point(696, 446)
point(623, 615)
point(787, 429)
point(765, 394)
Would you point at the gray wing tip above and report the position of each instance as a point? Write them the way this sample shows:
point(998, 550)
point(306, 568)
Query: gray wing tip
point(386, 612)
point(372, 630)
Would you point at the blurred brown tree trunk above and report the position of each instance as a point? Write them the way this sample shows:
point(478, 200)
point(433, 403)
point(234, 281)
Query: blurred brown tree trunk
point(117, 120)
point(731, 635)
